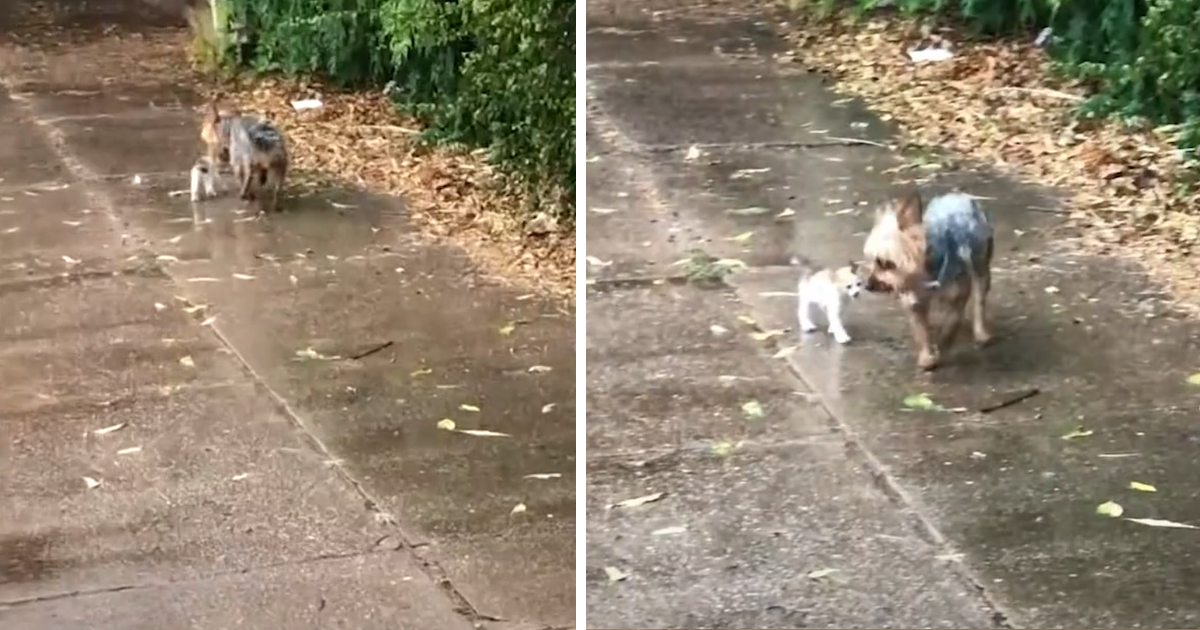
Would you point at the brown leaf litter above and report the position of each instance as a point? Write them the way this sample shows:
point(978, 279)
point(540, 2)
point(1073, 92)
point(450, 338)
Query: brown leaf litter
point(998, 103)
point(360, 139)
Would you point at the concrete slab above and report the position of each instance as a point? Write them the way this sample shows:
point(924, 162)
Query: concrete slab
point(52, 230)
point(359, 259)
point(616, 41)
point(55, 99)
point(761, 550)
point(145, 145)
point(28, 157)
point(376, 591)
point(652, 390)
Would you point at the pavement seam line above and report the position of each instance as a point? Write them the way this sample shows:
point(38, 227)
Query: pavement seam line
point(216, 575)
point(81, 173)
point(881, 478)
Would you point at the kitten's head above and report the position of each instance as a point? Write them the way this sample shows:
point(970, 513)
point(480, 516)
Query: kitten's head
point(849, 279)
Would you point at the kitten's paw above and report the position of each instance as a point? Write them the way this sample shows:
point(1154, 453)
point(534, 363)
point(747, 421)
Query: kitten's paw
point(841, 337)
point(808, 327)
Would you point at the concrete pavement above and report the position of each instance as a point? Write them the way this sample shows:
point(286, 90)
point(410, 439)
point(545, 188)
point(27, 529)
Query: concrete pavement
point(798, 489)
point(213, 422)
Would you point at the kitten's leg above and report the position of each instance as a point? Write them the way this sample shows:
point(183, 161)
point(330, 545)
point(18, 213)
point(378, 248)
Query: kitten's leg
point(833, 311)
point(803, 312)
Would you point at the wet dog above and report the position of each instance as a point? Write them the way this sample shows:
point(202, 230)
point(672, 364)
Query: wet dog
point(254, 149)
point(826, 290)
point(938, 254)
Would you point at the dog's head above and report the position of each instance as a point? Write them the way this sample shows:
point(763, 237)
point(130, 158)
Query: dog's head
point(210, 124)
point(895, 247)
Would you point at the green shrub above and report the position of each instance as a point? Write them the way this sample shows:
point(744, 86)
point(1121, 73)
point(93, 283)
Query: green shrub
point(486, 73)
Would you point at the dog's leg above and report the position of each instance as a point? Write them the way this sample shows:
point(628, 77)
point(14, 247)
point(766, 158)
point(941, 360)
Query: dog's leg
point(918, 319)
point(834, 313)
point(981, 285)
point(956, 297)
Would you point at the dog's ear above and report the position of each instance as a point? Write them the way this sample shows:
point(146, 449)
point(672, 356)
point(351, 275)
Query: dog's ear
point(909, 209)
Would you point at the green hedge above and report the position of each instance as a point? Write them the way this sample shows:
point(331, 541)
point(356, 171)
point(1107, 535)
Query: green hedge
point(1137, 56)
point(498, 74)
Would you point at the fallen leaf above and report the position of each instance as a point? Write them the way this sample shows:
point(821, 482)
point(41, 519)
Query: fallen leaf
point(1158, 522)
point(508, 328)
point(752, 409)
point(70, 261)
point(91, 483)
point(466, 407)
point(787, 212)
point(922, 402)
point(1051, 290)
point(747, 320)
point(483, 433)
point(743, 237)
point(175, 239)
point(518, 508)
point(767, 334)
point(309, 353)
point(160, 307)
point(602, 210)
point(771, 294)
point(1108, 508)
point(1142, 487)
point(421, 372)
point(752, 211)
point(72, 223)
point(722, 449)
point(208, 321)
point(187, 361)
point(446, 424)
point(240, 476)
point(667, 531)
point(614, 574)
point(1194, 379)
point(784, 352)
point(718, 329)
point(592, 260)
point(129, 451)
point(243, 276)
point(544, 476)
point(203, 279)
point(1078, 432)
point(636, 501)
point(12, 230)
point(166, 258)
point(548, 407)
point(537, 369)
point(110, 429)
point(821, 573)
point(693, 153)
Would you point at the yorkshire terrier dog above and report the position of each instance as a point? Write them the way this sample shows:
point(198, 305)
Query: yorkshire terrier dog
point(936, 254)
point(255, 150)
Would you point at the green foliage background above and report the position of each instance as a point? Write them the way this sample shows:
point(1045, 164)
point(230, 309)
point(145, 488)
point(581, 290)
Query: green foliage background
point(498, 74)
point(1136, 55)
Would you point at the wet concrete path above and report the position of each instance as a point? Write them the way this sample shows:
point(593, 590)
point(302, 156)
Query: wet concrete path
point(826, 503)
point(276, 385)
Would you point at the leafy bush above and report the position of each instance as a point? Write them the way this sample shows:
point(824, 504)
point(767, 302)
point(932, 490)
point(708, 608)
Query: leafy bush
point(498, 74)
point(1136, 55)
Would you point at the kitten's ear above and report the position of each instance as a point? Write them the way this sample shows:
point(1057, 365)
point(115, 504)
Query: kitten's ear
point(854, 266)
point(909, 209)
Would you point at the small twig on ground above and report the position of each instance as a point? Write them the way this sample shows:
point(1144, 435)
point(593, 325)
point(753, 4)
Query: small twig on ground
point(372, 350)
point(857, 141)
point(1011, 400)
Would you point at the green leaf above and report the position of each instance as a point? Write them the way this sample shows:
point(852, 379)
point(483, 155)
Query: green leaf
point(922, 402)
point(1194, 379)
point(1108, 508)
point(1078, 432)
point(752, 409)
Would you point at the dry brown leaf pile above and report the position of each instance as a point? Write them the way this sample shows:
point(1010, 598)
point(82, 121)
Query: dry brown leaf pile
point(997, 103)
point(361, 139)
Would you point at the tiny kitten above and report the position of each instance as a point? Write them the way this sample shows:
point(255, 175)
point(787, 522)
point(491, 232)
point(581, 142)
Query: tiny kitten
point(826, 289)
point(204, 175)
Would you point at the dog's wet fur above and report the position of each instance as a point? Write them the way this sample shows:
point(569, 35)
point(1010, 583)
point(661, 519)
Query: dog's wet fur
point(939, 254)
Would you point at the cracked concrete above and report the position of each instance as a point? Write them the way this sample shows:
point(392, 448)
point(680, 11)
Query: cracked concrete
point(210, 421)
point(825, 503)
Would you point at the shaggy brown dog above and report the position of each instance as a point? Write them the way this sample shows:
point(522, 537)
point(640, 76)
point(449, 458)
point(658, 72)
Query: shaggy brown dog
point(935, 255)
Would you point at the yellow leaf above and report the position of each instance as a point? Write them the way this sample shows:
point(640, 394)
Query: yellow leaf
point(1142, 487)
point(446, 424)
point(466, 407)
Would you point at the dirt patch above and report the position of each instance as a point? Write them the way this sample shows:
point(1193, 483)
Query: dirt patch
point(998, 103)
